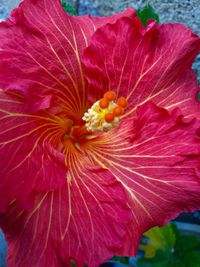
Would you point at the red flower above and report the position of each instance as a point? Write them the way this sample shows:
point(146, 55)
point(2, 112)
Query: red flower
point(98, 140)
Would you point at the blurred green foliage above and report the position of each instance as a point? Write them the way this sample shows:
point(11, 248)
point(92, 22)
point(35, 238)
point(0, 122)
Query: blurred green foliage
point(147, 13)
point(158, 239)
point(68, 8)
point(123, 260)
point(168, 247)
point(199, 94)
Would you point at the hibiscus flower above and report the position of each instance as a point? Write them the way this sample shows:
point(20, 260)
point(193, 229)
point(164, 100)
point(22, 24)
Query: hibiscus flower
point(99, 139)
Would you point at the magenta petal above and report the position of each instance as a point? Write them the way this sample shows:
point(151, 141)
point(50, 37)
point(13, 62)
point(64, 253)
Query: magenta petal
point(85, 220)
point(44, 45)
point(27, 162)
point(152, 64)
point(64, 193)
point(155, 156)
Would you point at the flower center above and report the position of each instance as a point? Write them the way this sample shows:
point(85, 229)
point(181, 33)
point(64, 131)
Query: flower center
point(75, 135)
point(105, 113)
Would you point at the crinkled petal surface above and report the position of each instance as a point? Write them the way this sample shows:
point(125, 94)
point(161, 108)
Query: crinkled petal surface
point(28, 162)
point(155, 156)
point(45, 206)
point(40, 54)
point(40, 60)
point(84, 220)
point(86, 199)
point(56, 209)
point(151, 64)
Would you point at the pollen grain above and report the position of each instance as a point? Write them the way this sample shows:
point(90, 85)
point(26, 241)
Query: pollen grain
point(122, 102)
point(103, 103)
point(110, 95)
point(109, 117)
point(118, 111)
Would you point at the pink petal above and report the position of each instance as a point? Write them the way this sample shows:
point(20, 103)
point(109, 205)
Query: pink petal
point(40, 53)
point(41, 72)
point(40, 58)
point(144, 64)
point(155, 156)
point(85, 220)
point(27, 162)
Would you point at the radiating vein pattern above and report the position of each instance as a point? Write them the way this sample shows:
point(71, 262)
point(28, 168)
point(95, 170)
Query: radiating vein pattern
point(149, 165)
point(152, 64)
point(68, 191)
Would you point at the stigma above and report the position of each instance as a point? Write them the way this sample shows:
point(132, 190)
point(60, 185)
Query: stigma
point(105, 114)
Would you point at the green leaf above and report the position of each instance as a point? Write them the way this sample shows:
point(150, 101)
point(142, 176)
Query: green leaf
point(68, 8)
point(161, 259)
point(124, 260)
point(177, 264)
point(73, 263)
point(198, 96)
point(147, 13)
point(186, 243)
point(159, 238)
point(192, 259)
point(168, 247)
point(148, 264)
